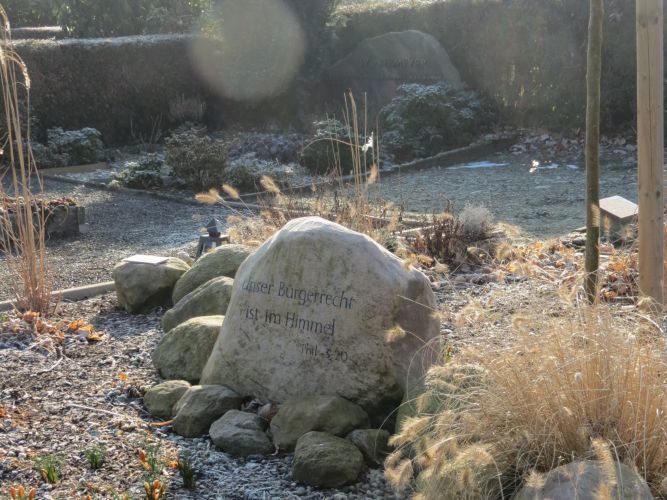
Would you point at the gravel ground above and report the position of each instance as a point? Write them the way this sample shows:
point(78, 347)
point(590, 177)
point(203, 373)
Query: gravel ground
point(93, 395)
point(120, 225)
point(91, 392)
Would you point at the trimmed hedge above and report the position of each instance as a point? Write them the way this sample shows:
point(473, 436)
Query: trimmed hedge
point(32, 12)
point(526, 56)
point(119, 86)
point(123, 86)
point(96, 18)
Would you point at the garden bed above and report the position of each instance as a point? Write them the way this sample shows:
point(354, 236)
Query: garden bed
point(93, 395)
point(63, 217)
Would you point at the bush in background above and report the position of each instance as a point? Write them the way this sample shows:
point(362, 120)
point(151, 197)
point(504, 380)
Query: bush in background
point(32, 12)
point(476, 222)
point(448, 237)
point(69, 147)
point(142, 174)
point(245, 173)
point(197, 160)
point(187, 110)
point(78, 147)
point(423, 120)
point(329, 149)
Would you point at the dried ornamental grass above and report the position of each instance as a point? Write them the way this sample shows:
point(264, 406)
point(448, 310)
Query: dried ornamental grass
point(349, 207)
point(23, 232)
point(566, 390)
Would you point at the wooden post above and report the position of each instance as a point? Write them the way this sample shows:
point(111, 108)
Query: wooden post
point(593, 78)
point(650, 143)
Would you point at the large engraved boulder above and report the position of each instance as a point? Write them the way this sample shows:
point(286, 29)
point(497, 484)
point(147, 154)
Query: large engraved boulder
point(322, 310)
point(379, 65)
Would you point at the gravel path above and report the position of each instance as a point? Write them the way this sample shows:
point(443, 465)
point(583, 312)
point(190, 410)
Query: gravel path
point(120, 225)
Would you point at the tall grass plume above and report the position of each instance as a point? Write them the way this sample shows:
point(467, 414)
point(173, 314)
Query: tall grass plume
point(584, 387)
point(22, 216)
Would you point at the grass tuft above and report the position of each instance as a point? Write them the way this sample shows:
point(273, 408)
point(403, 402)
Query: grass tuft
point(49, 467)
point(578, 387)
point(95, 456)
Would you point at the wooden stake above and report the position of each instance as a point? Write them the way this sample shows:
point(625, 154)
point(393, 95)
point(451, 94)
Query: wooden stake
point(593, 78)
point(650, 143)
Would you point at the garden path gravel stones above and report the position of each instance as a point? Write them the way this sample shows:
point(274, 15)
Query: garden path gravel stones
point(119, 225)
point(93, 396)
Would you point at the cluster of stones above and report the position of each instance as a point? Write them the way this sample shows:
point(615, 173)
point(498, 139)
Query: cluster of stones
point(287, 349)
point(329, 435)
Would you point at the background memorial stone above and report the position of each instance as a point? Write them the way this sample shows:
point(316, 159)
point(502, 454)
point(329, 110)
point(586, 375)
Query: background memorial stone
point(378, 65)
point(309, 315)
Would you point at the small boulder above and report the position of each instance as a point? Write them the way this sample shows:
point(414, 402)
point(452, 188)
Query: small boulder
point(584, 479)
point(242, 434)
point(202, 405)
point(331, 414)
point(210, 299)
point(268, 411)
point(160, 399)
point(143, 287)
point(183, 351)
point(325, 461)
point(372, 443)
point(223, 261)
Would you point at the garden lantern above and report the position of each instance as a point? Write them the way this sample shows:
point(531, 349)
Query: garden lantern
point(212, 240)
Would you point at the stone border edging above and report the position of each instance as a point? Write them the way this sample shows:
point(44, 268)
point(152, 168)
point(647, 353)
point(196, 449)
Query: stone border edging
point(444, 159)
point(456, 156)
point(72, 294)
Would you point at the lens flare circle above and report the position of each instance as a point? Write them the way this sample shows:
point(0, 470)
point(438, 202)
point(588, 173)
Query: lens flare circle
point(249, 50)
